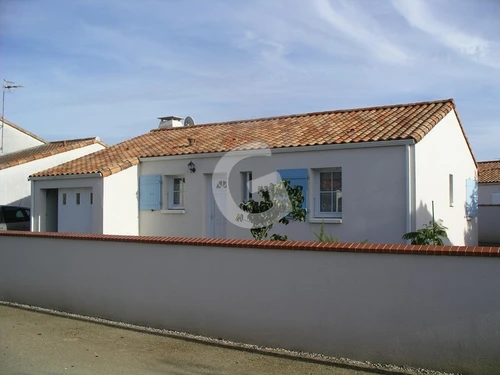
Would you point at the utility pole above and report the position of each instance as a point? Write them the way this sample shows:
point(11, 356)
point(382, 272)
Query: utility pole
point(6, 85)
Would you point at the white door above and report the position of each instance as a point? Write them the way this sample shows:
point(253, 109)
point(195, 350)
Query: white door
point(217, 195)
point(75, 210)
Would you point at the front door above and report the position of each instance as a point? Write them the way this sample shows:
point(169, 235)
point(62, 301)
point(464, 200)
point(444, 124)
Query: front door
point(217, 195)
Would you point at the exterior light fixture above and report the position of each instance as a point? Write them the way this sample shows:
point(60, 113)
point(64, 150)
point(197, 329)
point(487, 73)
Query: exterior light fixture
point(191, 167)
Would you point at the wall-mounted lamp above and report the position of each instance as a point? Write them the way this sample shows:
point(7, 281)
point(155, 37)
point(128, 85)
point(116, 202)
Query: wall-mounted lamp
point(191, 167)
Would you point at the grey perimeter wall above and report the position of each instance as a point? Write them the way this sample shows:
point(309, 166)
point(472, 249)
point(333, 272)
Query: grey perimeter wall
point(437, 312)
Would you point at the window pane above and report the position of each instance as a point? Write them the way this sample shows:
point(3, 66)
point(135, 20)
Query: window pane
point(325, 204)
point(178, 198)
point(337, 181)
point(177, 184)
point(325, 181)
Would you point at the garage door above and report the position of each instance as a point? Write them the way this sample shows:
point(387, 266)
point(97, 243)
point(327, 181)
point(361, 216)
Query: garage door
point(75, 210)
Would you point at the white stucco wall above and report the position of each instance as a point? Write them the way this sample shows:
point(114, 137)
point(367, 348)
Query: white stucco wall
point(374, 193)
point(15, 140)
point(121, 210)
point(415, 310)
point(443, 151)
point(39, 206)
point(15, 188)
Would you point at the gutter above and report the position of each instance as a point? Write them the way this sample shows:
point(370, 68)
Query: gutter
point(65, 177)
point(342, 146)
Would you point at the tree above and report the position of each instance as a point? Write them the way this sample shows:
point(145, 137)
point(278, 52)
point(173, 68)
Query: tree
point(430, 234)
point(278, 203)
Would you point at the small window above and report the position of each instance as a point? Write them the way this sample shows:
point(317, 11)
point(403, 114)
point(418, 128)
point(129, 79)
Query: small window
point(328, 189)
point(77, 198)
point(175, 191)
point(247, 186)
point(91, 198)
point(64, 198)
point(450, 187)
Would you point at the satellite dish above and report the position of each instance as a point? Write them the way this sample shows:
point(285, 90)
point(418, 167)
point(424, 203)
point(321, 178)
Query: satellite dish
point(189, 121)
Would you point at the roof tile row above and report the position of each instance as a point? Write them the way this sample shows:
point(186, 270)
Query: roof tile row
point(385, 123)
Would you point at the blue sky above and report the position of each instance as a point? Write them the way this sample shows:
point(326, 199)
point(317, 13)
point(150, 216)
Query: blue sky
point(110, 68)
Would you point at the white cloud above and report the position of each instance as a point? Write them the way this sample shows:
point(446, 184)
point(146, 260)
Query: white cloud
point(419, 15)
point(352, 22)
point(121, 64)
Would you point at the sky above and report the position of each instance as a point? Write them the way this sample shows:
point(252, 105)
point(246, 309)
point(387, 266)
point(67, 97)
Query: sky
point(111, 68)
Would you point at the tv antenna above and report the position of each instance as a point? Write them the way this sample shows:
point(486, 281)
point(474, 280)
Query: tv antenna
point(6, 85)
point(189, 121)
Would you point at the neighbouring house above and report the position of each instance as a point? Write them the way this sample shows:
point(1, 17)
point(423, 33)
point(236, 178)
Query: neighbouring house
point(489, 202)
point(14, 138)
point(23, 153)
point(367, 174)
point(16, 167)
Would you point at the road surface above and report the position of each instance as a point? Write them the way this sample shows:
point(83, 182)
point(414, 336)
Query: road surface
point(40, 343)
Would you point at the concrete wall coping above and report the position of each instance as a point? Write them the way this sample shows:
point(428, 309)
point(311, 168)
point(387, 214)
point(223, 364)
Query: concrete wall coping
point(474, 251)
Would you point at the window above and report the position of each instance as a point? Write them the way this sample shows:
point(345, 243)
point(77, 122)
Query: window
point(91, 198)
point(64, 198)
point(450, 187)
point(297, 177)
point(175, 192)
point(77, 198)
point(328, 188)
point(15, 214)
point(247, 185)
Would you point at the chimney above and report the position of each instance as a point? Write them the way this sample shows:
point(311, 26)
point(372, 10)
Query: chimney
point(170, 122)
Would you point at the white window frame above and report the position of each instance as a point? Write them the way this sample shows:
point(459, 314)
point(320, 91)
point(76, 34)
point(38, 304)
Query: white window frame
point(450, 191)
point(247, 185)
point(170, 183)
point(317, 213)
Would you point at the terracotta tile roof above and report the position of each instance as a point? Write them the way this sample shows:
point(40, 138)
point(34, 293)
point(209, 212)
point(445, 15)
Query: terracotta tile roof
point(23, 130)
point(489, 171)
point(43, 151)
point(385, 123)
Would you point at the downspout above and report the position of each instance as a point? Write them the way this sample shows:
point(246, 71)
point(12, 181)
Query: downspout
point(410, 187)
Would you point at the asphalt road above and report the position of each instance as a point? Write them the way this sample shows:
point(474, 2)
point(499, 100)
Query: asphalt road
point(39, 343)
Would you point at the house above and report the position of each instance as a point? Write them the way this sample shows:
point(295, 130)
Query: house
point(489, 202)
point(25, 154)
point(14, 138)
point(367, 174)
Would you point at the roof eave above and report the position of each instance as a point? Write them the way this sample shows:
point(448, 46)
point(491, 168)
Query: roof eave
point(65, 176)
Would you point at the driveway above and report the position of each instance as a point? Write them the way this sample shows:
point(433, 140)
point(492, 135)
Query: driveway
point(41, 343)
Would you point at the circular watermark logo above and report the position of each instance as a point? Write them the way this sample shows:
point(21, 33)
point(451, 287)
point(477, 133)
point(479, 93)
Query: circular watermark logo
point(281, 204)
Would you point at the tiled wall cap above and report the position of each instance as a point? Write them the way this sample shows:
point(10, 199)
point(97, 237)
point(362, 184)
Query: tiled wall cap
point(273, 245)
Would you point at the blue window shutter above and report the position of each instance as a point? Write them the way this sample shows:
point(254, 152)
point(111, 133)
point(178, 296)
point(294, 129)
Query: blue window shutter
point(471, 199)
point(150, 192)
point(297, 177)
